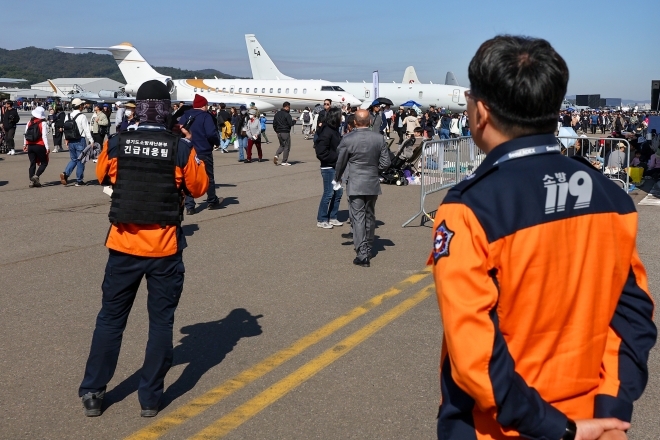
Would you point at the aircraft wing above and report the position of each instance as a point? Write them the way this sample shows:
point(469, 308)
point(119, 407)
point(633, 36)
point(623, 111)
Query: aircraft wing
point(12, 80)
point(120, 48)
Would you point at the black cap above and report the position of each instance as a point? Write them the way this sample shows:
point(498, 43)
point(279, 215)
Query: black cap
point(153, 89)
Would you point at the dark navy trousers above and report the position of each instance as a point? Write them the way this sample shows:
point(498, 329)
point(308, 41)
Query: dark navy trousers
point(123, 275)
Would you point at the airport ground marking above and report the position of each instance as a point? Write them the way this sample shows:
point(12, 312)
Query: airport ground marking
point(242, 379)
point(254, 406)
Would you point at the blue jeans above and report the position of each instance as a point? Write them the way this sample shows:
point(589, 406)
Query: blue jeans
point(75, 148)
point(330, 200)
point(242, 145)
point(444, 133)
point(123, 275)
point(224, 144)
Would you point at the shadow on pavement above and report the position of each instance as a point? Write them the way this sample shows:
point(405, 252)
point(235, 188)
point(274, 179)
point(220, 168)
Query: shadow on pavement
point(3, 182)
point(379, 243)
point(204, 346)
point(189, 230)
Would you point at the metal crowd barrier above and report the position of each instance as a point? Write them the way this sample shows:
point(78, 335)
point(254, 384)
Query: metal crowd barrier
point(598, 150)
point(444, 163)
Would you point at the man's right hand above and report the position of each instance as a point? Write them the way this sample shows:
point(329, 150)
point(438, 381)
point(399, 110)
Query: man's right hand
point(594, 429)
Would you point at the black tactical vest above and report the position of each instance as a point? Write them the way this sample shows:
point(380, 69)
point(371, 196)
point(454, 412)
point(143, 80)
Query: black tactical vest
point(145, 191)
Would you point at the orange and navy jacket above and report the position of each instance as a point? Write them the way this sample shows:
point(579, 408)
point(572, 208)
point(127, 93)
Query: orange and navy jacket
point(152, 240)
point(544, 300)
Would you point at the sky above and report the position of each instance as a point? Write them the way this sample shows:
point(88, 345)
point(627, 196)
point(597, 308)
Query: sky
point(610, 48)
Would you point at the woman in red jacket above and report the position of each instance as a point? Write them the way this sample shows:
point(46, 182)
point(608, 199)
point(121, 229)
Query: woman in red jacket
point(36, 145)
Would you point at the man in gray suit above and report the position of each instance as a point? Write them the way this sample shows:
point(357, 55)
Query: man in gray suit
point(365, 153)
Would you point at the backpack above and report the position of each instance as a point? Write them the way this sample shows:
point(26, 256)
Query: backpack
point(71, 130)
point(33, 132)
point(306, 118)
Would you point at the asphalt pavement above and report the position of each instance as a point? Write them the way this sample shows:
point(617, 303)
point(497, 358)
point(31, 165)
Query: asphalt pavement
point(277, 335)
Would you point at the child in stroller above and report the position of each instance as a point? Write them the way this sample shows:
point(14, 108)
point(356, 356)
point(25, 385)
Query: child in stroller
point(404, 160)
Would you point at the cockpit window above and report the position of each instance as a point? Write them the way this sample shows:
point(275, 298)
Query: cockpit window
point(326, 88)
point(337, 89)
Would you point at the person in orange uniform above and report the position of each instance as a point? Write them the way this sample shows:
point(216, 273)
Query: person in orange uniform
point(535, 344)
point(150, 169)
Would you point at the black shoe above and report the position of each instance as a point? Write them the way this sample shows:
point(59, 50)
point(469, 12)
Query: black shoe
point(215, 205)
point(363, 263)
point(190, 211)
point(247, 161)
point(148, 411)
point(92, 402)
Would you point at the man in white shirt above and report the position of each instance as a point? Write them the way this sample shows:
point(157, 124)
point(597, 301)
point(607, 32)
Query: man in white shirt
point(119, 116)
point(76, 146)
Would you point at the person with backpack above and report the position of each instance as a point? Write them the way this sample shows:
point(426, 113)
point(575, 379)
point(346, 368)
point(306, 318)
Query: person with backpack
point(77, 134)
point(36, 145)
point(99, 125)
point(306, 118)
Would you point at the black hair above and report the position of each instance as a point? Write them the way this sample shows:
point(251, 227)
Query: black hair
point(350, 120)
point(418, 130)
point(286, 104)
point(327, 99)
point(333, 117)
point(222, 105)
point(522, 80)
point(353, 109)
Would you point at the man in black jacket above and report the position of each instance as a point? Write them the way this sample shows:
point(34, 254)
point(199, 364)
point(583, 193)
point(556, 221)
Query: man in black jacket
point(282, 123)
point(9, 120)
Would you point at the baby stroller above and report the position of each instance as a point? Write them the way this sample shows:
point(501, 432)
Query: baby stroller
point(402, 161)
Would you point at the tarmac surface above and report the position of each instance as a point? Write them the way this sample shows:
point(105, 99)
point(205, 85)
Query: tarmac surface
point(277, 334)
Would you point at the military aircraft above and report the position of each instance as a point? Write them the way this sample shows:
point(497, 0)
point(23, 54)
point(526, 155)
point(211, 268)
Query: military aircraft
point(101, 96)
point(266, 95)
point(449, 95)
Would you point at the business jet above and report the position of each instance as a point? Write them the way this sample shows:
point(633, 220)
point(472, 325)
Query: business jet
point(266, 95)
point(79, 92)
point(450, 96)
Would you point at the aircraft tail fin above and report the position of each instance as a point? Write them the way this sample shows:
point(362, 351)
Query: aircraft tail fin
point(260, 63)
point(410, 76)
point(450, 79)
point(59, 93)
point(133, 66)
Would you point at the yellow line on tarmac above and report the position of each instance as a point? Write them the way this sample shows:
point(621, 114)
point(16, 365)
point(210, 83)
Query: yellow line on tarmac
point(213, 396)
point(252, 407)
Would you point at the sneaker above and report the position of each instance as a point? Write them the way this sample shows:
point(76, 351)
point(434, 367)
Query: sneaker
point(216, 148)
point(335, 222)
point(363, 263)
point(95, 160)
point(63, 178)
point(80, 183)
point(324, 225)
point(285, 164)
point(11, 152)
point(275, 160)
point(224, 151)
point(247, 161)
point(35, 181)
point(92, 402)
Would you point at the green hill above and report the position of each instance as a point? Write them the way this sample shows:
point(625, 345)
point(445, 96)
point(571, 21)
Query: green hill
point(36, 65)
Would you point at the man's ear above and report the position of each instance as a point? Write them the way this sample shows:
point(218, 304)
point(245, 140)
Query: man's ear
point(483, 116)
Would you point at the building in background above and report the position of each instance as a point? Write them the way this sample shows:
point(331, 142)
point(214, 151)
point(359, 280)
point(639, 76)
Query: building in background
point(67, 85)
point(591, 101)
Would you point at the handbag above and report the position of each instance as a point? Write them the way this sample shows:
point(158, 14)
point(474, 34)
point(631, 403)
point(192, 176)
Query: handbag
point(236, 144)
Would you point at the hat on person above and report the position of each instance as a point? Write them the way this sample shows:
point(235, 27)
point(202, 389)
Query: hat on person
point(621, 145)
point(39, 113)
point(76, 101)
point(130, 104)
point(243, 107)
point(252, 111)
point(119, 104)
point(199, 101)
point(105, 105)
point(153, 89)
point(401, 107)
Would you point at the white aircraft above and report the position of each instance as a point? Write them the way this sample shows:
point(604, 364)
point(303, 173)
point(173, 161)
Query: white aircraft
point(450, 96)
point(265, 94)
point(79, 92)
